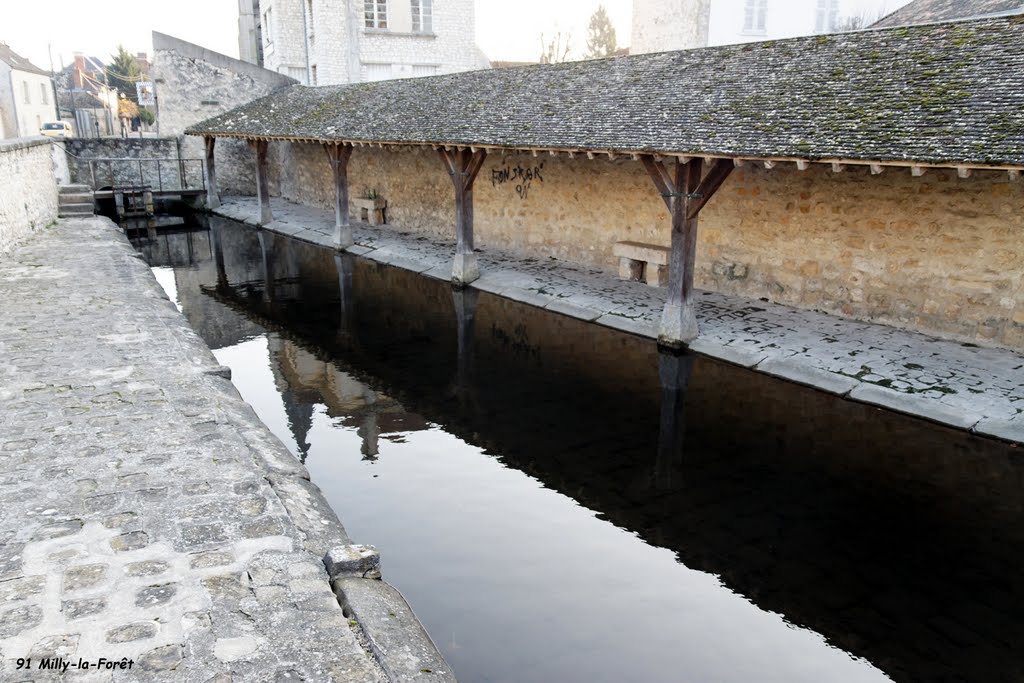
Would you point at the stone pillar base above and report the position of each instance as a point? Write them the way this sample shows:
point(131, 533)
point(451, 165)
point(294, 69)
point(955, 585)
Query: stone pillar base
point(465, 269)
point(678, 326)
point(343, 238)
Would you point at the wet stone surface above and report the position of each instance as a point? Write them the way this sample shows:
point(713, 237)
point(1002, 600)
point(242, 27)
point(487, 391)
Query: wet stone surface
point(957, 384)
point(112, 427)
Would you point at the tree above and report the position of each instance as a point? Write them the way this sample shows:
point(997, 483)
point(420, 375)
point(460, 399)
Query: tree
point(600, 35)
point(126, 108)
point(146, 116)
point(856, 22)
point(553, 52)
point(123, 73)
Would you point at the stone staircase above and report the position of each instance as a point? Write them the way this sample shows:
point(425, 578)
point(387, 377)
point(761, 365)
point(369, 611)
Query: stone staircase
point(75, 200)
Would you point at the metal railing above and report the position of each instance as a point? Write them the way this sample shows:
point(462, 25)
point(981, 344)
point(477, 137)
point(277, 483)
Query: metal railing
point(161, 175)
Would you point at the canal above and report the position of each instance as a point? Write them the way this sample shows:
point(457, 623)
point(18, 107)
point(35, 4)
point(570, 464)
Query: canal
point(560, 502)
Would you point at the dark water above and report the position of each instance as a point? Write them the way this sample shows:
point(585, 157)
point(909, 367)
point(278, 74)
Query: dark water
point(559, 502)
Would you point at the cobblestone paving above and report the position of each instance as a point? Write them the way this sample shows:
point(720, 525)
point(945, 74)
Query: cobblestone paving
point(956, 384)
point(147, 513)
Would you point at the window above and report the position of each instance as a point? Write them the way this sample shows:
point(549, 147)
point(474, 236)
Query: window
point(377, 72)
point(825, 21)
point(423, 70)
point(309, 18)
point(376, 12)
point(28, 97)
point(268, 30)
point(754, 12)
point(422, 16)
point(42, 92)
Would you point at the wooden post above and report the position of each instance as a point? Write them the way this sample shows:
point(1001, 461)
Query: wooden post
point(212, 198)
point(262, 191)
point(685, 194)
point(338, 156)
point(464, 166)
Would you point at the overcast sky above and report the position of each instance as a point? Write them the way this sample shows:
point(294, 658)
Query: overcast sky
point(506, 29)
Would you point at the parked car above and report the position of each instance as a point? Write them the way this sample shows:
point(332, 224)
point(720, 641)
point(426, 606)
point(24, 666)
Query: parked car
point(57, 129)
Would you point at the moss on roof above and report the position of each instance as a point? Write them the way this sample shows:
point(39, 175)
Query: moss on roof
point(941, 93)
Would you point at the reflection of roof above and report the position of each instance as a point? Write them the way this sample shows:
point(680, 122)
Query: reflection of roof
point(931, 11)
point(17, 62)
point(942, 93)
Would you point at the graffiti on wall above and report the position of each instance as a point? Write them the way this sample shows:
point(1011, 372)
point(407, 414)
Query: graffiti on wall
point(521, 176)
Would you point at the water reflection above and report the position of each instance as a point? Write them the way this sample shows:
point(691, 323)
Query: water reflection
point(897, 541)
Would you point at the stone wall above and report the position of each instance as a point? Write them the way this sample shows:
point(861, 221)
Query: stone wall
point(938, 253)
point(103, 162)
point(28, 200)
point(193, 84)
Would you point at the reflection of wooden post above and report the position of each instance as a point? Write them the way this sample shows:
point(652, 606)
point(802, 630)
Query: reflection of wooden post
point(465, 301)
point(217, 248)
point(345, 264)
point(268, 264)
point(685, 195)
point(212, 198)
point(262, 190)
point(338, 156)
point(369, 431)
point(464, 166)
point(674, 371)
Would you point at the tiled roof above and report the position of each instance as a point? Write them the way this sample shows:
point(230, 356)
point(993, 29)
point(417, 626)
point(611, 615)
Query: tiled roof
point(932, 11)
point(17, 62)
point(942, 93)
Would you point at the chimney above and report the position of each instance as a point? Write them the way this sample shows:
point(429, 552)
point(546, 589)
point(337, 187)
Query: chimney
point(76, 78)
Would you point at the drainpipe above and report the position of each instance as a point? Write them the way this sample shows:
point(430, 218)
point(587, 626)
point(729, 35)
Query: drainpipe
point(305, 41)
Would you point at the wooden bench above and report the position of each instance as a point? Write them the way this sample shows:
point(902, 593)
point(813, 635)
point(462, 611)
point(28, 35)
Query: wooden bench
point(639, 261)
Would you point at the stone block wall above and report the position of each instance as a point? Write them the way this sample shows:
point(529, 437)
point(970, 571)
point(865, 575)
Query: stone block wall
point(104, 162)
point(938, 253)
point(193, 84)
point(28, 200)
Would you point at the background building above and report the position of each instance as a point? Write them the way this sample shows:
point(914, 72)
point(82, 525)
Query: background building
point(26, 96)
point(660, 25)
point(324, 42)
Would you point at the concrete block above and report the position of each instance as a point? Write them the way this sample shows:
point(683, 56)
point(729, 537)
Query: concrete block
point(360, 561)
point(573, 311)
point(802, 372)
point(747, 358)
point(1002, 428)
point(917, 405)
point(655, 275)
point(630, 269)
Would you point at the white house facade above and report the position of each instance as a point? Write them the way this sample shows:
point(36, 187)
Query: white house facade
point(325, 42)
point(660, 25)
point(26, 96)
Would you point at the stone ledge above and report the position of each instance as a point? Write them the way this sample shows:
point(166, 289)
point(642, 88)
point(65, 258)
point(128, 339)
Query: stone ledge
point(24, 143)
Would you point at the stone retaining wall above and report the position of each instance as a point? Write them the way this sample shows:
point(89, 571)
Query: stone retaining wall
point(136, 163)
point(937, 253)
point(28, 198)
point(194, 84)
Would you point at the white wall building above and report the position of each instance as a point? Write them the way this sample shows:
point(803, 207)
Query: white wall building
point(26, 96)
point(323, 42)
point(660, 25)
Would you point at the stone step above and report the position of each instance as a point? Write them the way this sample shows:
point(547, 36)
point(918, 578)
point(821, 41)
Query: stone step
point(75, 209)
point(83, 198)
point(73, 189)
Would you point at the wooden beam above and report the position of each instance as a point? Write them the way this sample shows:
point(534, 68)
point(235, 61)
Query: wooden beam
point(708, 186)
point(917, 171)
point(262, 189)
point(963, 172)
point(876, 169)
point(464, 167)
point(837, 167)
point(802, 164)
point(338, 156)
point(660, 176)
point(212, 196)
point(769, 164)
point(1013, 174)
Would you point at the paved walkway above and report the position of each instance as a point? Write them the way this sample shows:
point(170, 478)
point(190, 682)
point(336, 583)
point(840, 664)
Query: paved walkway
point(966, 387)
point(147, 514)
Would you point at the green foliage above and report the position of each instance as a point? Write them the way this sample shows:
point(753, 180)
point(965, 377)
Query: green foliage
point(600, 35)
point(553, 51)
point(123, 72)
point(146, 116)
